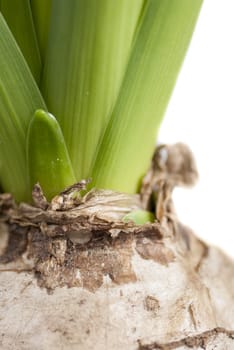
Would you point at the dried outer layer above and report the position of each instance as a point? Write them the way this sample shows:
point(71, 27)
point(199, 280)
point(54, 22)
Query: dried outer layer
point(171, 166)
point(98, 210)
point(102, 210)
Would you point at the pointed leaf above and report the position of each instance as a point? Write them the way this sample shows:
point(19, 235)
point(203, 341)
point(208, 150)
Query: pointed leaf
point(48, 159)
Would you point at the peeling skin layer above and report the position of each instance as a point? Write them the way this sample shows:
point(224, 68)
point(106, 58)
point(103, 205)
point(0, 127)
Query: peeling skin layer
point(202, 340)
point(57, 261)
point(85, 265)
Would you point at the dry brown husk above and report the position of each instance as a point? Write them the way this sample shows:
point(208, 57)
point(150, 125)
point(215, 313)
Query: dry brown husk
point(74, 276)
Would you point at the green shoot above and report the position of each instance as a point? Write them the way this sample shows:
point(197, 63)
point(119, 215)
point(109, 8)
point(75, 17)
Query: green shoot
point(139, 217)
point(47, 156)
point(106, 70)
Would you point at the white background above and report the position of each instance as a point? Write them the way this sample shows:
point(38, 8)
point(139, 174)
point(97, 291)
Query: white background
point(201, 113)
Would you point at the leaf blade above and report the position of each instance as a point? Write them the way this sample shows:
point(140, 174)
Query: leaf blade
point(41, 11)
point(127, 146)
point(18, 16)
point(80, 84)
point(19, 98)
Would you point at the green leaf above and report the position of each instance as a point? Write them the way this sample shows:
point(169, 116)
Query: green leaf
point(89, 47)
point(18, 16)
point(48, 159)
point(41, 11)
point(139, 217)
point(19, 98)
point(159, 49)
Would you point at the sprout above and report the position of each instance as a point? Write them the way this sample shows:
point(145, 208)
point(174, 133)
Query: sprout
point(139, 217)
point(47, 157)
point(105, 69)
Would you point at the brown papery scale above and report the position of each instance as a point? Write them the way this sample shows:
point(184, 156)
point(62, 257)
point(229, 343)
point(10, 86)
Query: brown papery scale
point(73, 275)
